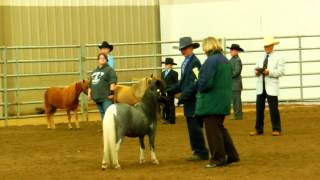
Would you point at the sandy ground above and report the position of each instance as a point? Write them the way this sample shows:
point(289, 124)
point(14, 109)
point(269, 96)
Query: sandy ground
point(33, 152)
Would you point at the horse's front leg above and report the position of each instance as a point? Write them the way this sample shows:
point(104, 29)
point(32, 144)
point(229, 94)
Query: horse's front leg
point(142, 150)
point(152, 148)
point(69, 119)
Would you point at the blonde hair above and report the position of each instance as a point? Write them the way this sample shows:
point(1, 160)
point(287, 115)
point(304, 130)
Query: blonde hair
point(211, 44)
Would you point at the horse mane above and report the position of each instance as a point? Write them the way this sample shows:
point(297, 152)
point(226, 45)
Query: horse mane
point(139, 87)
point(150, 103)
point(74, 90)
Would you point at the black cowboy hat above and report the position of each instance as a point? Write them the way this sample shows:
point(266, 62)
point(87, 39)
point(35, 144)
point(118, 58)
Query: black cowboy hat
point(105, 44)
point(169, 61)
point(185, 42)
point(236, 47)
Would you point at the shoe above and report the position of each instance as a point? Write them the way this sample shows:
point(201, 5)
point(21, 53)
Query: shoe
point(214, 165)
point(233, 160)
point(196, 158)
point(276, 133)
point(255, 133)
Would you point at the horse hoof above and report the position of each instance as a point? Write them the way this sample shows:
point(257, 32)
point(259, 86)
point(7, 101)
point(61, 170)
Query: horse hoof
point(142, 161)
point(117, 166)
point(155, 161)
point(104, 167)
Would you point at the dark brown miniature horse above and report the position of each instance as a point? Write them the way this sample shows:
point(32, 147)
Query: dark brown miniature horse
point(64, 98)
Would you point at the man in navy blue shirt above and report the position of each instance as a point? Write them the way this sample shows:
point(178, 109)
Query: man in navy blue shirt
point(188, 91)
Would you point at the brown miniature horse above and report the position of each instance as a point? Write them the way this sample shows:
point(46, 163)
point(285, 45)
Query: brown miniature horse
point(64, 98)
point(132, 94)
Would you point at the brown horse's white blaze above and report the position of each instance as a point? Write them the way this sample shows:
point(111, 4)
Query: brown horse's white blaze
point(64, 98)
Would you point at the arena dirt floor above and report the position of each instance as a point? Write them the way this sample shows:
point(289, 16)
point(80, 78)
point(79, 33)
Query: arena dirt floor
point(34, 152)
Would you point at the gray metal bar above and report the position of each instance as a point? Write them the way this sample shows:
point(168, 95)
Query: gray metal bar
point(43, 47)
point(286, 87)
point(83, 99)
point(161, 55)
point(17, 81)
point(25, 102)
point(28, 89)
point(46, 60)
point(300, 69)
point(280, 37)
point(197, 40)
point(44, 74)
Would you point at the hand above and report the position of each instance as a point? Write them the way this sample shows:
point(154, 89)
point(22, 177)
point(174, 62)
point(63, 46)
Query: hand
point(257, 72)
point(89, 97)
point(266, 72)
point(110, 97)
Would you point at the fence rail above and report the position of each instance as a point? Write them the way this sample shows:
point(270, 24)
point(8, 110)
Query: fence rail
point(81, 58)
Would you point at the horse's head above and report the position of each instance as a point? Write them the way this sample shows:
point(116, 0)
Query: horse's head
point(158, 83)
point(158, 86)
point(82, 86)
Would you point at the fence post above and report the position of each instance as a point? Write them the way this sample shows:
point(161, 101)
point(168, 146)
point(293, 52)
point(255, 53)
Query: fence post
point(223, 44)
point(300, 69)
point(17, 82)
point(5, 86)
point(155, 59)
point(83, 99)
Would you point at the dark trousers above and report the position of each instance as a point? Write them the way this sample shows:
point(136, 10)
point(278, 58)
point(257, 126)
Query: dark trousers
point(196, 137)
point(274, 112)
point(169, 111)
point(219, 140)
point(237, 104)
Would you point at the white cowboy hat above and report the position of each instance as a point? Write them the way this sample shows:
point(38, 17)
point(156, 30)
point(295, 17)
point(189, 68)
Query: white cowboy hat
point(269, 40)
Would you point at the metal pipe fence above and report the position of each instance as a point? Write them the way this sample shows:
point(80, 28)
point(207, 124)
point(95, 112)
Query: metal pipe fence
point(81, 57)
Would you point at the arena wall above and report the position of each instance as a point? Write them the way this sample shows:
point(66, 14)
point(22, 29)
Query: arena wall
point(69, 22)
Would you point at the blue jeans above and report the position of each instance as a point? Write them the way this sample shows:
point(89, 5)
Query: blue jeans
point(102, 107)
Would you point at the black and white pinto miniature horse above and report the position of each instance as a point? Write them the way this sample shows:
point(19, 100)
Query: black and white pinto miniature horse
point(132, 121)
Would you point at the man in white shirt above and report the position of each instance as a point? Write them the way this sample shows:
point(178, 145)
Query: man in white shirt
point(268, 70)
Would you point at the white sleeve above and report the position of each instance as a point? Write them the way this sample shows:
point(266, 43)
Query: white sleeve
point(279, 70)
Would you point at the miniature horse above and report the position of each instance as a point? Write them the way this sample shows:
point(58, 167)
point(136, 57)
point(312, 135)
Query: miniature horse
point(64, 98)
point(132, 121)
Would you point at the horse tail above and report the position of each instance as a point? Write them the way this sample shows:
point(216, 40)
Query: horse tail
point(109, 137)
point(48, 108)
point(46, 102)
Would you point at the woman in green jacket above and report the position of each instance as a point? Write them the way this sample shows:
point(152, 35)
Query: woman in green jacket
point(214, 87)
